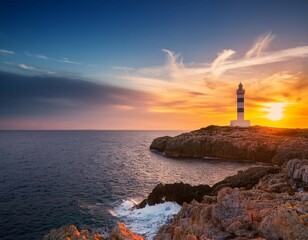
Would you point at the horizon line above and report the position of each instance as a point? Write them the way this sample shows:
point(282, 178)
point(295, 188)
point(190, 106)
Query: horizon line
point(145, 129)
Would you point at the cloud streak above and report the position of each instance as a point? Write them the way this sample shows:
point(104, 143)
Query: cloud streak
point(66, 60)
point(41, 56)
point(260, 45)
point(220, 61)
point(62, 60)
point(273, 57)
point(34, 69)
point(3, 51)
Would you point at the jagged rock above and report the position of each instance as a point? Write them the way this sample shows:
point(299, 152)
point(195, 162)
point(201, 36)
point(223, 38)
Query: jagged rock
point(121, 232)
point(262, 144)
point(277, 183)
point(298, 172)
point(245, 179)
point(176, 192)
point(241, 214)
point(294, 177)
point(70, 232)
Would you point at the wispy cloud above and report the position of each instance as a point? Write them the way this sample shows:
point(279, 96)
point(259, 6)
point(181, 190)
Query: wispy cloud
point(3, 51)
point(41, 56)
point(66, 60)
point(174, 60)
point(34, 69)
point(260, 45)
point(271, 57)
point(123, 68)
point(9, 63)
point(62, 60)
point(220, 61)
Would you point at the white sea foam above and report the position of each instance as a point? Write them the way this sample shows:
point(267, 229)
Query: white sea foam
point(148, 220)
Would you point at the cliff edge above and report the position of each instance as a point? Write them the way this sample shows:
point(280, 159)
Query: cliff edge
point(259, 144)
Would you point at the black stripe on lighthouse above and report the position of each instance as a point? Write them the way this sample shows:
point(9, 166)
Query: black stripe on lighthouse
point(240, 110)
point(240, 100)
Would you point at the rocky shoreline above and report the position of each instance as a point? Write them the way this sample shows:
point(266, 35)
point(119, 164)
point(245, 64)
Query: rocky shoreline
point(266, 202)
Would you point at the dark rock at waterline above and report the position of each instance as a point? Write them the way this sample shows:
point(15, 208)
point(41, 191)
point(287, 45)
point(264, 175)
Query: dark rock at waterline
point(245, 179)
point(160, 143)
point(180, 192)
point(176, 192)
point(259, 144)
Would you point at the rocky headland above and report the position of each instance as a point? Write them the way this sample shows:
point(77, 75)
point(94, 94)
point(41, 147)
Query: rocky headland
point(259, 144)
point(265, 202)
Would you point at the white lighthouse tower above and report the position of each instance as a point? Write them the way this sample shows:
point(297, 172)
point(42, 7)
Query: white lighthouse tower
point(240, 122)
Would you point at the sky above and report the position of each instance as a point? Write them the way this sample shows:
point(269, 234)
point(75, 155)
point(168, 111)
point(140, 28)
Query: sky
point(152, 64)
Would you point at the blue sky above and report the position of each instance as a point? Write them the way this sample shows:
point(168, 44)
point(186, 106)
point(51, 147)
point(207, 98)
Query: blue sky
point(102, 41)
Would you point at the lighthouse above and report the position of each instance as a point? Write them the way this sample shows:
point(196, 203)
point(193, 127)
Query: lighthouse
point(240, 121)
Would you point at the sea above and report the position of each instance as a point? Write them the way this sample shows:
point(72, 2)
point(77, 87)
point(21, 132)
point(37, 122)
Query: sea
point(91, 179)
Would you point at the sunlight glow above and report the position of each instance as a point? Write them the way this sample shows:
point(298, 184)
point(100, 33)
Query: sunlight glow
point(275, 111)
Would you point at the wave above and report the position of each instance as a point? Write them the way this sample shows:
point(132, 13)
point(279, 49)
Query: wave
point(148, 220)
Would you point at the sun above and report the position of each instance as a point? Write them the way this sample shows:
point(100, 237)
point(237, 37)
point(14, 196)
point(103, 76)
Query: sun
point(275, 111)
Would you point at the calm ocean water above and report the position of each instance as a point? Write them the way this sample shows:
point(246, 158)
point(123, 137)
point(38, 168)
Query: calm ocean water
point(90, 179)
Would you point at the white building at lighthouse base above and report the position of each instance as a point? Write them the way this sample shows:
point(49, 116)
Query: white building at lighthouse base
point(240, 123)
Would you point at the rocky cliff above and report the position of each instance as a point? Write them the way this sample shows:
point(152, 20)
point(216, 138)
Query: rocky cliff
point(262, 144)
point(275, 208)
